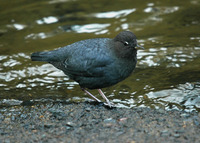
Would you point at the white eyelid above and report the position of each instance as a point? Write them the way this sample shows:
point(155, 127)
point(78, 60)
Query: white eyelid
point(126, 42)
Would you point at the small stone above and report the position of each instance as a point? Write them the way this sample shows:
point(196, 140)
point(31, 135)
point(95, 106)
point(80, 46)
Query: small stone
point(7, 120)
point(196, 123)
point(88, 109)
point(180, 131)
point(109, 120)
point(70, 124)
point(164, 133)
point(43, 136)
point(177, 135)
point(48, 125)
point(12, 118)
point(185, 115)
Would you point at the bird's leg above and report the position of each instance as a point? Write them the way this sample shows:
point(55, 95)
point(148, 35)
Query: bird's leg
point(91, 95)
point(103, 95)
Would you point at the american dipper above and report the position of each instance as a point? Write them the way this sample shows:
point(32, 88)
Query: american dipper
point(95, 63)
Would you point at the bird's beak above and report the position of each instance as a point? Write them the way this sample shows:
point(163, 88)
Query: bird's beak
point(139, 47)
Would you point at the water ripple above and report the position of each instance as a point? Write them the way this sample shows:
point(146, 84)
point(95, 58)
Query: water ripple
point(90, 28)
point(114, 14)
point(186, 95)
point(47, 20)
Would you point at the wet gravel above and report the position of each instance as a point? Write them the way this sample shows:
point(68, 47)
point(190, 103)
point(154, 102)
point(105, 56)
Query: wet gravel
point(93, 123)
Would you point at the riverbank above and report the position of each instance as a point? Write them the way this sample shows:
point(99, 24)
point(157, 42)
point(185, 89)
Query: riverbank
point(88, 122)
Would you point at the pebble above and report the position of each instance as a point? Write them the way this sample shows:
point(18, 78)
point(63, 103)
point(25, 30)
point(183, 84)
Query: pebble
point(177, 135)
point(109, 120)
point(70, 124)
point(185, 115)
point(88, 109)
point(164, 133)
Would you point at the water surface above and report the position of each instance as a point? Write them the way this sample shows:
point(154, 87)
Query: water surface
point(168, 70)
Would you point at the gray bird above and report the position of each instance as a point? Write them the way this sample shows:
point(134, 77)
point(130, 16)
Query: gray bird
point(95, 63)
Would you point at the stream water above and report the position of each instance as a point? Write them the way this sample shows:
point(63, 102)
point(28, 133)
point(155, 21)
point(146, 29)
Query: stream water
point(168, 70)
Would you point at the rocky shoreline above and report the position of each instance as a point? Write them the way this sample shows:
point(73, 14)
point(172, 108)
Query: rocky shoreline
point(90, 122)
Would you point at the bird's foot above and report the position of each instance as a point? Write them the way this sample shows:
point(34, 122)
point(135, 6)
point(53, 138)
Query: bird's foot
point(110, 105)
point(108, 102)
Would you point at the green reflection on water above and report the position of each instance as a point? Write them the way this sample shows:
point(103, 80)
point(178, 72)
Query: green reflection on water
point(169, 31)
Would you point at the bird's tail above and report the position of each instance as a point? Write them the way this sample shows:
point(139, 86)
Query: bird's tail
point(42, 56)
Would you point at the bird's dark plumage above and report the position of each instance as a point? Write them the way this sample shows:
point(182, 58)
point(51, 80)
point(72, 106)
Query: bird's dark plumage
point(95, 63)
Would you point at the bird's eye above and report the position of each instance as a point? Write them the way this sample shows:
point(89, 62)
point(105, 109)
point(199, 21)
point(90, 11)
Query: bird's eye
point(125, 43)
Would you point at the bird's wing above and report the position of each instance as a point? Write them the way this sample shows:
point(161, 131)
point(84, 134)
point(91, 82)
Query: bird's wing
point(90, 68)
point(89, 60)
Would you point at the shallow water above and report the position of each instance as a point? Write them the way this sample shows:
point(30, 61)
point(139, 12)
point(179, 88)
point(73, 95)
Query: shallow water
point(168, 70)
